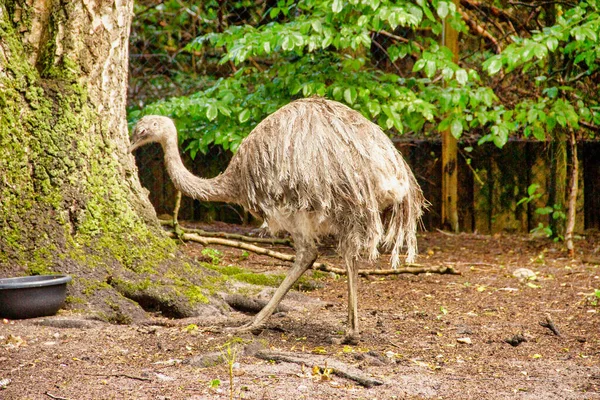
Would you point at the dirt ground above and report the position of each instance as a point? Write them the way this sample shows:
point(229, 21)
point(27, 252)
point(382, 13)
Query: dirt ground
point(425, 336)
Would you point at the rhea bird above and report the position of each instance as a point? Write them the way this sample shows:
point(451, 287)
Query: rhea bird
point(314, 168)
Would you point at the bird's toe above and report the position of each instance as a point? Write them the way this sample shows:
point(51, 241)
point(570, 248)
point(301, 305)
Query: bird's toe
point(351, 339)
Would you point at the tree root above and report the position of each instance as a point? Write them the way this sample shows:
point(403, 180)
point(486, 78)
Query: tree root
point(407, 269)
point(252, 305)
point(338, 368)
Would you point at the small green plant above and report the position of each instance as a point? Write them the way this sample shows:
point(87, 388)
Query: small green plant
point(595, 297)
point(230, 353)
point(532, 194)
point(214, 384)
point(556, 213)
point(215, 255)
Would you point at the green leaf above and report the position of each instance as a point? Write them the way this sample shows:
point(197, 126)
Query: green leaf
point(350, 95)
point(212, 112)
point(374, 108)
point(494, 65)
point(539, 133)
point(430, 68)
point(447, 73)
point(456, 128)
point(297, 38)
point(552, 43)
point(316, 25)
point(442, 9)
point(337, 6)
point(551, 92)
point(461, 76)
point(244, 115)
point(337, 93)
point(287, 43)
point(532, 189)
point(419, 65)
point(500, 135)
point(544, 210)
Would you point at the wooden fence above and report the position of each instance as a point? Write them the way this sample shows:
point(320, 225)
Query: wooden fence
point(491, 183)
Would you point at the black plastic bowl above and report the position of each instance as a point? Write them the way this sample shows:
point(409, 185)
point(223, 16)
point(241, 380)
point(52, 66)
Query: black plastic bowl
point(32, 296)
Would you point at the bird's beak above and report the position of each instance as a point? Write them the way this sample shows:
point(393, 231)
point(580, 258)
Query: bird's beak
point(136, 140)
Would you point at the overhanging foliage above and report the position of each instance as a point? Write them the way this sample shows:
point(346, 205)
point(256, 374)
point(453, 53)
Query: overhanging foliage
point(266, 54)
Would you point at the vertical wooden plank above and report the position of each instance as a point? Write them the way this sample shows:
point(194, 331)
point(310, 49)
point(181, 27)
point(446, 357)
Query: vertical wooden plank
point(450, 149)
point(580, 218)
point(482, 193)
point(465, 200)
point(509, 176)
point(591, 172)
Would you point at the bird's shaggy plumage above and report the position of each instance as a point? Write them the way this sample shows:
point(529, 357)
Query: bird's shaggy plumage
point(313, 168)
point(316, 167)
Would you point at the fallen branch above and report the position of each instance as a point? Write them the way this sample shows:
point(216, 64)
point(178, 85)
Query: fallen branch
point(548, 323)
point(414, 269)
point(55, 397)
point(138, 378)
point(408, 269)
point(338, 368)
point(234, 236)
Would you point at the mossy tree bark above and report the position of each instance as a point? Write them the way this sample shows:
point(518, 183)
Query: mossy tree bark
point(70, 198)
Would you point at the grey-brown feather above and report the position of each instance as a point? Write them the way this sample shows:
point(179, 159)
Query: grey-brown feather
point(316, 167)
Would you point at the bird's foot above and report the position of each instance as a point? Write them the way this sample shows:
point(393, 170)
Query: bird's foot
point(351, 339)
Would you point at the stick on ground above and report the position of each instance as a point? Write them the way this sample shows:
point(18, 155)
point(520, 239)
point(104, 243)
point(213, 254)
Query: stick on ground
point(234, 236)
point(408, 269)
point(339, 368)
point(548, 323)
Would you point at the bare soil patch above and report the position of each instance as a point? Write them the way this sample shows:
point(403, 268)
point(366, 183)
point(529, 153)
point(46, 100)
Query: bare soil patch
point(424, 336)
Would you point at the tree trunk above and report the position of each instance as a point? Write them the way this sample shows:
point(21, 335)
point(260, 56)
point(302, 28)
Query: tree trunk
point(450, 150)
point(70, 198)
point(574, 188)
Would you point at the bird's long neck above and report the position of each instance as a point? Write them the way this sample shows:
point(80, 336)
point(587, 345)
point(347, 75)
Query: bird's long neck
point(216, 189)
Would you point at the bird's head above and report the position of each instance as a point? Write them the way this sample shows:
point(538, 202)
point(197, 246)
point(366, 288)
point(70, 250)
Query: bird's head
point(152, 128)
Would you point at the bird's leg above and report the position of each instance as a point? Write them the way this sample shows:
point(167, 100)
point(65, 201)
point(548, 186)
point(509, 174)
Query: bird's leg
point(306, 254)
point(352, 334)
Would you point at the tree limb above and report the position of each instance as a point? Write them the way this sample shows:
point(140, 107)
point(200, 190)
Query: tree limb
point(590, 126)
point(400, 39)
point(476, 28)
point(407, 269)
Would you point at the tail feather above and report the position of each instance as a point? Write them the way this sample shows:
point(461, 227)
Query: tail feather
point(402, 224)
